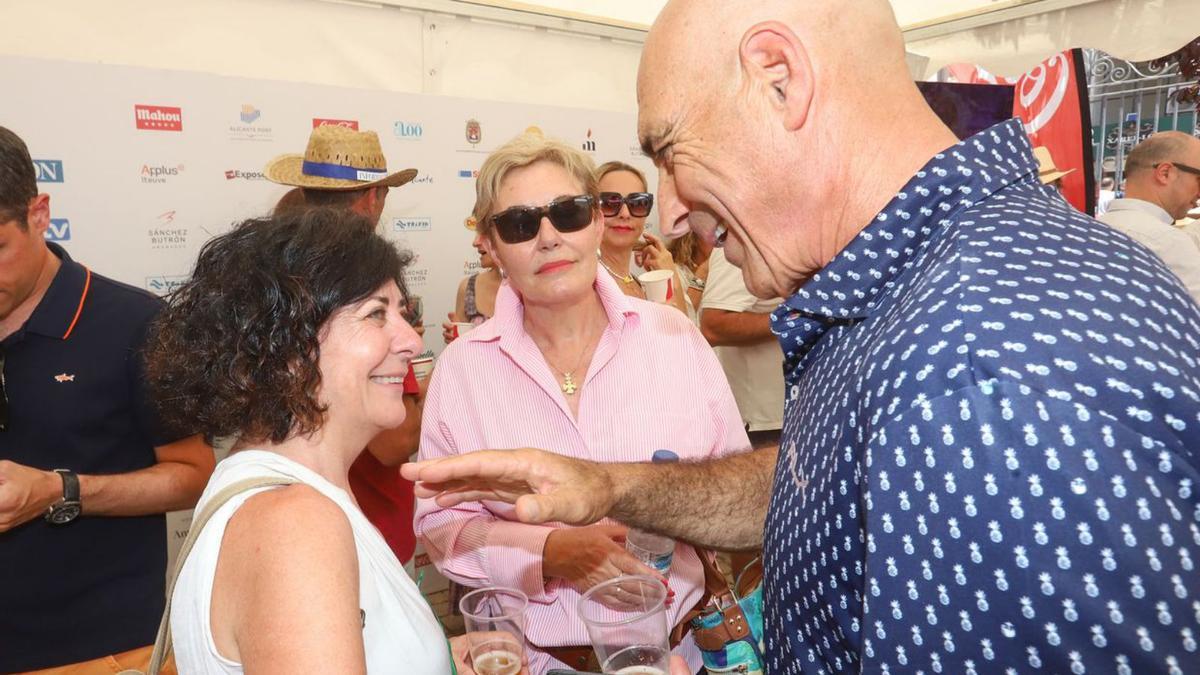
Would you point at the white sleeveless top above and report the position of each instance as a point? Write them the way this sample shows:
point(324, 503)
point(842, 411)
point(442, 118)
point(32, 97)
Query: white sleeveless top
point(401, 633)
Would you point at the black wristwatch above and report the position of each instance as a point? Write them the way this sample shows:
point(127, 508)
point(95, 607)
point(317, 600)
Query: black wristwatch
point(68, 508)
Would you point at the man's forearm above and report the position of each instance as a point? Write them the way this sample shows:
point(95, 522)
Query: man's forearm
point(174, 483)
point(719, 503)
point(168, 486)
point(723, 328)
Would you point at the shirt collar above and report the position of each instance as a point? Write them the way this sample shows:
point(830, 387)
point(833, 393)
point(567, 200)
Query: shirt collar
point(59, 309)
point(1142, 206)
point(508, 321)
point(953, 180)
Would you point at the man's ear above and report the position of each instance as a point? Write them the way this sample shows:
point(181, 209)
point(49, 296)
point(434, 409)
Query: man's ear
point(772, 55)
point(38, 215)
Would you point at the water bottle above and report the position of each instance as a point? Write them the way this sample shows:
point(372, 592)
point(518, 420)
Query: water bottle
point(654, 550)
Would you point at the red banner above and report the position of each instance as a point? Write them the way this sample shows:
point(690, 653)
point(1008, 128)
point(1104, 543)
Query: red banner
point(1052, 101)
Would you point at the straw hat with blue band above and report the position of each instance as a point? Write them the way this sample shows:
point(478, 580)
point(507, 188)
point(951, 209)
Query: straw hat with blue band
point(337, 158)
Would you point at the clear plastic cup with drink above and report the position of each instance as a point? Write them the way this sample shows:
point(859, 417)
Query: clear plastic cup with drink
point(495, 622)
point(626, 621)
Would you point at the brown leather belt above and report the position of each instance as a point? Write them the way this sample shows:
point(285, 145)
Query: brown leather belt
point(576, 658)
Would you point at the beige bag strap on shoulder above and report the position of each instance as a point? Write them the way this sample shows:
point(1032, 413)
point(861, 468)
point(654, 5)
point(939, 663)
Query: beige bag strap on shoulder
point(162, 643)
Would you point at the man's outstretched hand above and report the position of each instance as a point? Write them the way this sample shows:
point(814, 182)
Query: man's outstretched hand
point(543, 486)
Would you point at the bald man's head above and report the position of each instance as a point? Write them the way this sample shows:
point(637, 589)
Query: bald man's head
point(767, 119)
point(1164, 169)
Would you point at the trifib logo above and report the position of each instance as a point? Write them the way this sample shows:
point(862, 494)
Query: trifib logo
point(158, 117)
point(164, 284)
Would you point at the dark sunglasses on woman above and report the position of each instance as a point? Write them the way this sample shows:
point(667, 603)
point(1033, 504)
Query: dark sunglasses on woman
point(566, 214)
point(639, 203)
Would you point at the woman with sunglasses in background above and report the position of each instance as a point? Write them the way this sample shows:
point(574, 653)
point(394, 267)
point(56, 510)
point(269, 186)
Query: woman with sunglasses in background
point(571, 364)
point(476, 300)
point(625, 201)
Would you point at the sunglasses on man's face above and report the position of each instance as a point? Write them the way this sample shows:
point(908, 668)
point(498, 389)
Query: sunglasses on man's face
point(521, 223)
point(639, 203)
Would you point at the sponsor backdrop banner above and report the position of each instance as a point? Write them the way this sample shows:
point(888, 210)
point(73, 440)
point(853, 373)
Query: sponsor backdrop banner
point(144, 166)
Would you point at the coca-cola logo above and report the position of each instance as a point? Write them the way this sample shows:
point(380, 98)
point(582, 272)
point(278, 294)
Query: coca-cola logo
point(1041, 91)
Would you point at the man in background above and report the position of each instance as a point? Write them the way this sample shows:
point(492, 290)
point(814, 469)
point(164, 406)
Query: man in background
point(1162, 183)
point(738, 326)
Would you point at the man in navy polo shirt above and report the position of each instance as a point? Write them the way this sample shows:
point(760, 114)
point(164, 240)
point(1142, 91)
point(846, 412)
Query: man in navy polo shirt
point(86, 474)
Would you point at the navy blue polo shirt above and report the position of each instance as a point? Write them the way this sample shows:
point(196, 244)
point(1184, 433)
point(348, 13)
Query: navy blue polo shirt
point(77, 400)
point(990, 458)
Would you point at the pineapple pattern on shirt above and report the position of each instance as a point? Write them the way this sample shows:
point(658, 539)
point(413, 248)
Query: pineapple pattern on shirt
point(989, 455)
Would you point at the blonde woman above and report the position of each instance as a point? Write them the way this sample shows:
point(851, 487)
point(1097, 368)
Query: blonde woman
point(575, 366)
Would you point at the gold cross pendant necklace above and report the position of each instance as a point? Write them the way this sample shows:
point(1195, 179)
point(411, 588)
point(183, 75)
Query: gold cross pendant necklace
point(569, 385)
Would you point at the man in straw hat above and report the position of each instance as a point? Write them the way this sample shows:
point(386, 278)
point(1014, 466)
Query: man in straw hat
point(970, 416)
point(340, 167)
point(1048, 173)
point(344, 168)
point(1162, 182)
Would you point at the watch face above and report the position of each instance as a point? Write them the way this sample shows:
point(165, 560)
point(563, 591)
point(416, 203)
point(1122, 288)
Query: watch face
point(64, 513)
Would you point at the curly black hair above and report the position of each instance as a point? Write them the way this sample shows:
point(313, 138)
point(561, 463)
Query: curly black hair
point(235, 351)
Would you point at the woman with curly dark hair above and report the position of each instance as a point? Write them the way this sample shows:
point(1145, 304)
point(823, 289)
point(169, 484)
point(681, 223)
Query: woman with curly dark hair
point(289, 336)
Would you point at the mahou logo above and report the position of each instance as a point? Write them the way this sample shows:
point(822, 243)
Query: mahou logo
point(158, 117)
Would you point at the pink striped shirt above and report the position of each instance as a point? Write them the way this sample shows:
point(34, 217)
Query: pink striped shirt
point(652, 383)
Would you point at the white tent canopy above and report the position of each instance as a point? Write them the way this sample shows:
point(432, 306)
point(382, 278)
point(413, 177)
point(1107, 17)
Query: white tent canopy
point(1007, 37)
point(582, 53)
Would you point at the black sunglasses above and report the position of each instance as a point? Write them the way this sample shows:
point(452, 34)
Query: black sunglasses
point(566, 214)
point(1182, 167)
point(3, 396)
point(639, 203)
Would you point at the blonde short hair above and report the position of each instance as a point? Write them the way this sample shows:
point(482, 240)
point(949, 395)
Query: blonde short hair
point(613, 167)
point(523, 151)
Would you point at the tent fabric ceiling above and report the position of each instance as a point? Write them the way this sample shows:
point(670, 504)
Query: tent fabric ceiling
point(908, 12)
point(977, 31)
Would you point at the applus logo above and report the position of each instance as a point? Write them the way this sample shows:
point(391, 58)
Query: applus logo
point(160, 173)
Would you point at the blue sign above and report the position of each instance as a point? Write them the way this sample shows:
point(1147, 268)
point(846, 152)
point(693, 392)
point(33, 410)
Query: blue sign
point(59, 230)
point(48, 170)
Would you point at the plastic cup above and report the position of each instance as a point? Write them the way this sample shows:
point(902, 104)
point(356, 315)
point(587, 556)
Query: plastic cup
point(495, 622)
point(626, 621)
point(423, 367)
point(462, 328)
point(659, 285)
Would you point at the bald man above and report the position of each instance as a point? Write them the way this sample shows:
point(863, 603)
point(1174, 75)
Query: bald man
point(989, 453)
point(1162, 183)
